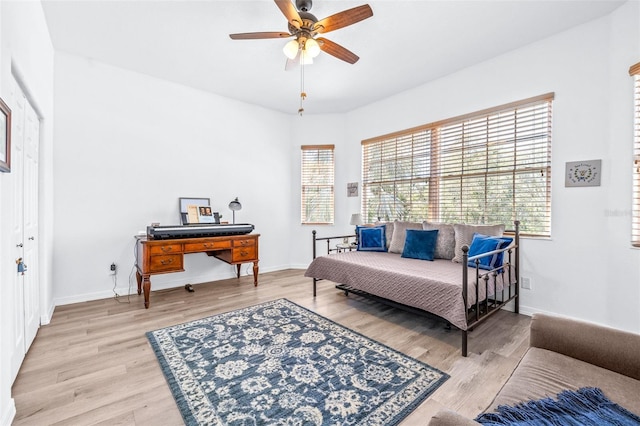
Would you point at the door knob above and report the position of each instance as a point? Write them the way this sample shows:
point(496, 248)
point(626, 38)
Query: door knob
point(32, 238)
point(19, 245)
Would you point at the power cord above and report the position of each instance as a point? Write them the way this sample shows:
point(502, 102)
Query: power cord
point(116, 296)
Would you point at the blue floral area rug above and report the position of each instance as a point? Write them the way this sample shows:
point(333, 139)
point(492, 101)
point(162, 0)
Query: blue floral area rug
point(278, 363)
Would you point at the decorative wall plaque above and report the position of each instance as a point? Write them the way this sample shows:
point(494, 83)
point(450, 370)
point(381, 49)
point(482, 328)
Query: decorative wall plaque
point(583, 173)
point(352, 189)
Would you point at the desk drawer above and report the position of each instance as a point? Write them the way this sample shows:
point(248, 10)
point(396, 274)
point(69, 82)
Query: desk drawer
point(169, 262)
point(207, 245)
point(165, 248)
point(244, 254)
point(247, 242)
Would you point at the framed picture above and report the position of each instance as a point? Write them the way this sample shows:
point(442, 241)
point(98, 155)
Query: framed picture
point(185, 202)
point(582, 173)
point(5, 137)
point(352, 189)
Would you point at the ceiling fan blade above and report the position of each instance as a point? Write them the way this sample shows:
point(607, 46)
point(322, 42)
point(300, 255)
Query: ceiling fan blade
point(259, 35)
point(292, 63)
point(290, 12)
point(343, 19)
point(334, 49)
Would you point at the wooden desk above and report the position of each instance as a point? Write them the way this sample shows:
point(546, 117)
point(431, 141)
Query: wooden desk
point(167, 256)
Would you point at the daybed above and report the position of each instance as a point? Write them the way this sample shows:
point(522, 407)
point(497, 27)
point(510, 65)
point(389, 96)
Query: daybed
point(445, 286)
point(566, 354)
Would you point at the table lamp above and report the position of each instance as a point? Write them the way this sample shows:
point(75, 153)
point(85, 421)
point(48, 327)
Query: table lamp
point(234, 206)
point(356, 220)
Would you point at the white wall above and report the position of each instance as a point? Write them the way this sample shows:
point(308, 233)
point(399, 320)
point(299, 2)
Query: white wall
point(128, 146)
point(26, 51)
point(587, 269)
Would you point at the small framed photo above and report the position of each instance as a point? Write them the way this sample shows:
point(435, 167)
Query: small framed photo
point(205, 215)
point(5, 137)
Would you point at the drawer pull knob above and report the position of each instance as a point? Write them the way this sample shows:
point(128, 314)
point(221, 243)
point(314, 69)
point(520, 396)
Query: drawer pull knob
point(206, 245)
point(243, 253)
point(166, 248)
point(166, 261)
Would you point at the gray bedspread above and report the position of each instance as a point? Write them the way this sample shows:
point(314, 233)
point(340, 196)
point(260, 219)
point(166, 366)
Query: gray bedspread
point(433, 286)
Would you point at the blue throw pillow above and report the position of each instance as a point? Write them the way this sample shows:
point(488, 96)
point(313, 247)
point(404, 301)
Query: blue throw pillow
point(484, 244)
point(419, 244)
point(371, 238)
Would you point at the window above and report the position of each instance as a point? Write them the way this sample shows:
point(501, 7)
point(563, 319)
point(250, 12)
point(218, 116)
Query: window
point(492, 166)
point(317, 184)
point(635, 226)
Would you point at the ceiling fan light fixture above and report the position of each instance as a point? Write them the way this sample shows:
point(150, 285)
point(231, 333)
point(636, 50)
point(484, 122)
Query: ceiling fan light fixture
point(305, 58)
point(291, 49)
point(312, 47)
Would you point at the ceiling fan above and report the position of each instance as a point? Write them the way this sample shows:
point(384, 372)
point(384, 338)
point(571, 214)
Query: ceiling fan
point(304, 27)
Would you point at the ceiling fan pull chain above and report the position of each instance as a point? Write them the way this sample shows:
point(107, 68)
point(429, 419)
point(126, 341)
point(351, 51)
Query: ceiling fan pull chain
point(303, 95)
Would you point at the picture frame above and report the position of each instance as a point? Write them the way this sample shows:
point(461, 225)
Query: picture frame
point(5, 137)
point(582, 173)
point(352, 189)
point(185, 202)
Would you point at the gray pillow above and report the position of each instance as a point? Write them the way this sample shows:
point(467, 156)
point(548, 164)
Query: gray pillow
point(446, 242)
point(464, 235)
point(399, 234)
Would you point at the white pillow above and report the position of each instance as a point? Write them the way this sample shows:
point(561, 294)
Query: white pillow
point(399, 235)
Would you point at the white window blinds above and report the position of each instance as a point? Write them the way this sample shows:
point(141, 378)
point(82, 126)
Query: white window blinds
point(317, 184)
point(492, 166)
point(635, 222)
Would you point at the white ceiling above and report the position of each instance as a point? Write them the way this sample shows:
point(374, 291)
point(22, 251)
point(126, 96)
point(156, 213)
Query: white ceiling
point(404, 44)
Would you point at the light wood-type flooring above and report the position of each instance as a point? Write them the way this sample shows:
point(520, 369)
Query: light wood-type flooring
point(92, 365)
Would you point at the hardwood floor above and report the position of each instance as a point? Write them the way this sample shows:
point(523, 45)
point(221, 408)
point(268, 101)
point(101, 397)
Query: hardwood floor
point(92, 365)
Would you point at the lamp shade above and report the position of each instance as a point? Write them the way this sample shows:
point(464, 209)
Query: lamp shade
point(305, 58)
point(312, 47)
point(356, 219)
point(291, 49)
point(235, 206)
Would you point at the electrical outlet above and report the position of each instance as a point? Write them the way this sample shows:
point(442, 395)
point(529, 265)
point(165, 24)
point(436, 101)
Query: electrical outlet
point(526, 283)
point(112, 269)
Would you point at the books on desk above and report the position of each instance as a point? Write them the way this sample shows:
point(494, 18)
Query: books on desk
point(192, 214)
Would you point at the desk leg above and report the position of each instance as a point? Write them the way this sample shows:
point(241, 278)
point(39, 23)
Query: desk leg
point(255, 274)
point(146, 284)
point(238, 269)
point(139, 279)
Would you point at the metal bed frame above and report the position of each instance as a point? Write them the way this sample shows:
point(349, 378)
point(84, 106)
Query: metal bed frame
point(477, 313)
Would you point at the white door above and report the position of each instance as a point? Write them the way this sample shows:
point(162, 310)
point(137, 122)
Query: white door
point(30, 225)
point(25, 135)
point(16, 103)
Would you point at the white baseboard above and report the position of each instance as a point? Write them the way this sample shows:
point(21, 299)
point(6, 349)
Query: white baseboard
point(529, 311)
point(132, 289)
point(46, 317)
point(301, 266)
